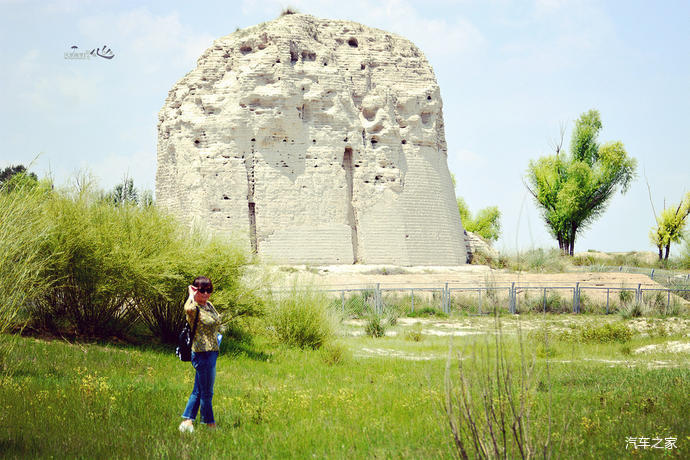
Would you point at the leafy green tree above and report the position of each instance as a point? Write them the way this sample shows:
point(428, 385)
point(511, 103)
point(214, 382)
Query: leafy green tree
point(126, 193)
point(487, 222)
point(573, 190)
point(14, 176)
point(670, 225)
point(10, 171)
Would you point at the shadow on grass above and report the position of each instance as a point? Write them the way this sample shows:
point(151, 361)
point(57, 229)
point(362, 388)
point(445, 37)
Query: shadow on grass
point(147, 343)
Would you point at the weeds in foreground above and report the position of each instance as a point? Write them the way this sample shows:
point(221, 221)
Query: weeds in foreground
point(427, 312)
point(489, 401)
point(375, 326)
point(334, 353)
point(414, 334)
point(634, 310)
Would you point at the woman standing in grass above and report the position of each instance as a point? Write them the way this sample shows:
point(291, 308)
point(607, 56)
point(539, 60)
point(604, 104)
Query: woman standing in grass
point(204, 353)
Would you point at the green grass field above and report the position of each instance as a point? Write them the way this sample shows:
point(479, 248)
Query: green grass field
point(359, 398)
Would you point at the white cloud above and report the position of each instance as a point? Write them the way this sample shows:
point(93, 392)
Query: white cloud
point(152, 41)
point(36, 84)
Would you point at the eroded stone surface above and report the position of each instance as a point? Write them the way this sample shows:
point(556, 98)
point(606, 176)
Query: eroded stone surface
point(316, 141)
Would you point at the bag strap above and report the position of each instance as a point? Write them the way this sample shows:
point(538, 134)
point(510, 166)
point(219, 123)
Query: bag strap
point(196, 320)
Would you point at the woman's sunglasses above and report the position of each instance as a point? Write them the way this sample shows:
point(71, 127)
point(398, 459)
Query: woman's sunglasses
point(205, 290)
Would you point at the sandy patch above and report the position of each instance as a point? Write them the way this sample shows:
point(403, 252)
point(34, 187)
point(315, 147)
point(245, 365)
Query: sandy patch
point(618, 362)
point(668, 347)
point(386, 352)
point(430, 327)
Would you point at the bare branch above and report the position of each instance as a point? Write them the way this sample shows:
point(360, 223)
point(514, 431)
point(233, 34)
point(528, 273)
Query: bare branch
point(649, 190)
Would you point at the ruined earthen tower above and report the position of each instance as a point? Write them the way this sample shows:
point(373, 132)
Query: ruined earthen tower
point(316, 141)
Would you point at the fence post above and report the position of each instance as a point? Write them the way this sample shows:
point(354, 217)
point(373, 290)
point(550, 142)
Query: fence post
point(544, 300)
point(512, 298)
point(377, 299)
point(652, 274)
point(447, 299)
point(607, 300)
point(480, 300)
point(576, 298)
point(342, 299)
point(639, 292)
point(668, 298)
point(412, 297)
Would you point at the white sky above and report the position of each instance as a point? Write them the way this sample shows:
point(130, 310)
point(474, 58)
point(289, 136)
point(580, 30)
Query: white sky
point(511, 73)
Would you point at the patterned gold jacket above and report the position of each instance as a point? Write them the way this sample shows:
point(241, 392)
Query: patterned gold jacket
point(206, 329)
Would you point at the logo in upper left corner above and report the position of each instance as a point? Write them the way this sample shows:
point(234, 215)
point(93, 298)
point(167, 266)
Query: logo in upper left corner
point(104, 52)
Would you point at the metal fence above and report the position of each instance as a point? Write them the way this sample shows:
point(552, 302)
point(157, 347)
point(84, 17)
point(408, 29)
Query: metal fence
point(511, 298)
point(657, 274)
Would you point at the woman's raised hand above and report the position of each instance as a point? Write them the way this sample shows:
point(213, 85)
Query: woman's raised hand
point(192, 290)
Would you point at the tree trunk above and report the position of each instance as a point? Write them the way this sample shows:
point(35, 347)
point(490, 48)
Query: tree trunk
point(668, 249)
point(573, 231)
point(661, 252)
point(562, 245)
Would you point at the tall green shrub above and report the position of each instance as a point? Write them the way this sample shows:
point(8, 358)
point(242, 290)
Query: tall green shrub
point(103, 254)
point(105, 266)
point(300, 318)
point(23, 228)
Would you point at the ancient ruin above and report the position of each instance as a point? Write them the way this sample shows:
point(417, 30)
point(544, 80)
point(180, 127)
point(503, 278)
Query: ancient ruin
point(316, 141)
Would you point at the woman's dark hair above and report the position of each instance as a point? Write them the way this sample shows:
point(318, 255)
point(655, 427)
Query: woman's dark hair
point(202, 282)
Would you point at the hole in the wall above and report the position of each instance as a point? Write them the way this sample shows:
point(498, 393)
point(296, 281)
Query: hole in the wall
point(362, 67)
point(369, 113)
point(428, 98)
point(225, 197)
point(403, 142)
point(245, 49)
point(253, 140)
point(353, 42)
point(308, 55)
point(293, 56)
point(197, 142)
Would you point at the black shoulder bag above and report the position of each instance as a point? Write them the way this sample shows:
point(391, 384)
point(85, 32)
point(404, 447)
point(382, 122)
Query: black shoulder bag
point(185, 340)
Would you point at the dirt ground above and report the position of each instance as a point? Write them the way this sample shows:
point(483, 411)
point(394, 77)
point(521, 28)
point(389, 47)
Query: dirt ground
point(354, 276)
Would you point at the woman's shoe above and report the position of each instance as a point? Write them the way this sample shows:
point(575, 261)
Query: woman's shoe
point(186, 426)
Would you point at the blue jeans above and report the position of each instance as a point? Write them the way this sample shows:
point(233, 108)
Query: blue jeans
point(202, 394)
